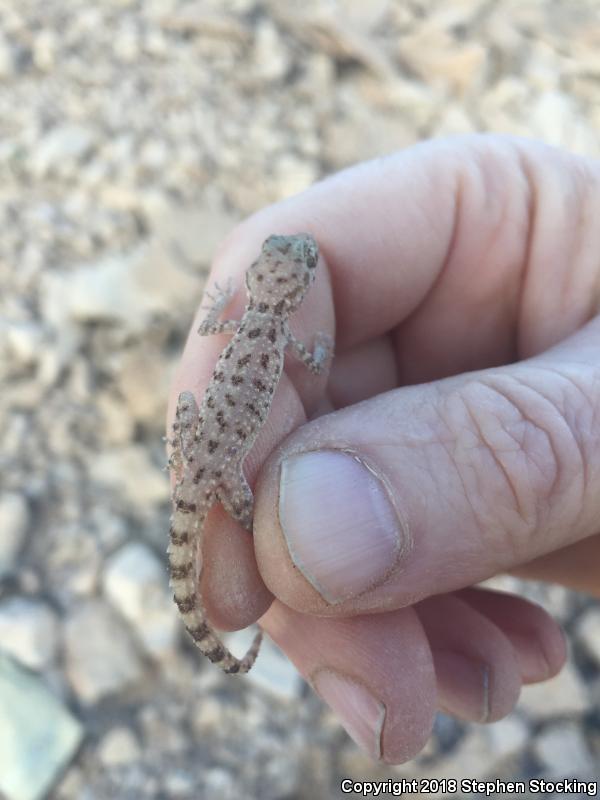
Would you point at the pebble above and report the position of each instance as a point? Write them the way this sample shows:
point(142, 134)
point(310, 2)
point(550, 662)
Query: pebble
point(272, 672)
point(588, 630)
point(132, 474)
point(14, 520)
point(136, 583)
point(66, 143)
point(118, 746)
point(100, 657)
point(38, 735)
point(562, 751)
point(28, 631)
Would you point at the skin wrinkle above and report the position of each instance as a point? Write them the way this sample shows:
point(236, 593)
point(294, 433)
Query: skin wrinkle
point(578, 439)
point(558, 459)
point(532, 206)
point(530, 525)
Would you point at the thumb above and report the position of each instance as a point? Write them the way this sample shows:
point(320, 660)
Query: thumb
point(431, 488)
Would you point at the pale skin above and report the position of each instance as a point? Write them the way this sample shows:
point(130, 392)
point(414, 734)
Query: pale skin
point(462, 278)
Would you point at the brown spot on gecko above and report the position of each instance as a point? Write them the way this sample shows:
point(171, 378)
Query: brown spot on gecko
point(218, 377)
point(241, 433)
point(229, 400)
point(210, 401)
point(212, 445)
point(186, 604)
point(220, 417)
point(217, 473)
point(272, 335)
point(198, 475)
point(185, 508)
point(216, 654)
point(254, 333)
point(264, 360)
point(259, 385)
point(237, 380)
point(199, 633)
point(262, 307)
point(245, 360)
point(180, 572)
point(178, 538)
point(278, 307)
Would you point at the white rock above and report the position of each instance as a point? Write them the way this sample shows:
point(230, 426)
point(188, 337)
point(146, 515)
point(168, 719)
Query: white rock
point(130, 290)
point(136, 583)
point(69, 142)
point(272, 672)
point(563, 751)
point(7, 58)
point(28, 631)
point(270, 54)
point(588, 630)
point(118, 746)
point(564, 694)
point(45, 47)
point(14, 519)
point(506, 737)
point(24, 340)
point(130, 471)
point(38, 736)
point(100, 656)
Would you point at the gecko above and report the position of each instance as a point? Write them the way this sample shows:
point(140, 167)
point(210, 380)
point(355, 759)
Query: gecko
point(210, 442)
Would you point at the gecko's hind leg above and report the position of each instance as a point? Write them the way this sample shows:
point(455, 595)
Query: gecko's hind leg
point(237, 500)
point(185, 429)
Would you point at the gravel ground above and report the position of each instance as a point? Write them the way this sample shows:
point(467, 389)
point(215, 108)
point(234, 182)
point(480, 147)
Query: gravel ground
point(133, 136)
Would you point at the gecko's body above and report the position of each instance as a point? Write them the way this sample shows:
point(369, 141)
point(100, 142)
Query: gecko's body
point(210, 443)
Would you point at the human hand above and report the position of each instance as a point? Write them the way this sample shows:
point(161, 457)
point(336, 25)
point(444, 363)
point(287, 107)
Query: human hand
point(457, 435)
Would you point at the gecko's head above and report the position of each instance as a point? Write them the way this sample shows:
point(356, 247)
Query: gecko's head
point(283, 272)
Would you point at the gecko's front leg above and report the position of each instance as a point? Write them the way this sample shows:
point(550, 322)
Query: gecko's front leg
point(322, 352)
point(210, 324)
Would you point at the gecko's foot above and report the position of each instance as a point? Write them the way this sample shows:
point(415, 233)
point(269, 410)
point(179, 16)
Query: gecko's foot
point(323, 351)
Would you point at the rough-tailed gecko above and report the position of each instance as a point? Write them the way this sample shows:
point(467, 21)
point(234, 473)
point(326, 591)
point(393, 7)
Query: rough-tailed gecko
point(210, 443)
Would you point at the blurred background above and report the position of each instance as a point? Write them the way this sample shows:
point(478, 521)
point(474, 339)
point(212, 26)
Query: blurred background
point(133, 135)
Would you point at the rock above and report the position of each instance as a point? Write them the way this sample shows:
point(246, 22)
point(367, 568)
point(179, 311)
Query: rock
point(506, 738)
point(130, 471)
point(136, 583)
point(562, 751)
point(66, 143)
point(8, 60)
point(118, 746)
point(564, 694)
point(28, 631)
point(14, 519)
point(129, 290)
point(24, 340)
point(100, 656)
point(271, 57)
point(272, 672)
point(45, 47)
point(38, 736)
point(588, 630)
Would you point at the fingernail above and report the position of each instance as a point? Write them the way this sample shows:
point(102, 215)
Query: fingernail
point(361, 714)
point(463, 685)
point(341, 527)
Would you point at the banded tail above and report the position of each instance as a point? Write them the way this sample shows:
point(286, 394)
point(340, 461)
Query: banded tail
point(185, 572)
